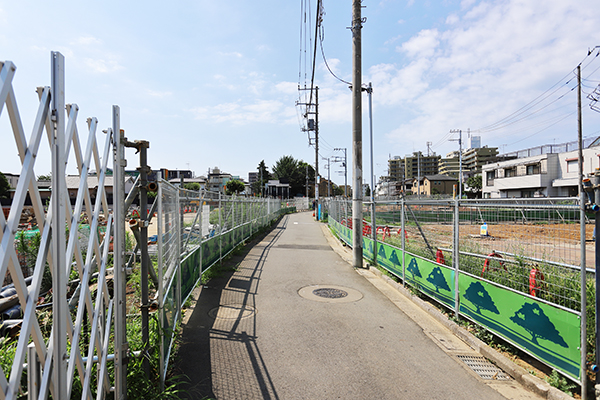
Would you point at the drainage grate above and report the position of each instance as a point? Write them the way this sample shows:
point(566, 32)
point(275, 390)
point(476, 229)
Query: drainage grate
point(330, 293)
point(484, 368)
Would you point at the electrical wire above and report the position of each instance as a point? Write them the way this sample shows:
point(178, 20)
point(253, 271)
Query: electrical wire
point(325, 59)
point(541, 130)
point(522, 113)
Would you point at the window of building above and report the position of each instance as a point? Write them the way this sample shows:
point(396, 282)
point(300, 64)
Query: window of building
point(533, 169)
point(508, 172)
point(489, 176)
point(572, 164)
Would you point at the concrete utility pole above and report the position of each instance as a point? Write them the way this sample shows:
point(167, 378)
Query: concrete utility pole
point(419, 175)
point(328, 175)
point(345, 170)
point(306, 180)
point(582, 195)
point(357, 249)
point(313, 125)
point(459, 160)
point(317, 151)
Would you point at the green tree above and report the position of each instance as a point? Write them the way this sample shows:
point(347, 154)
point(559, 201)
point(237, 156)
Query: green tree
point(337, 191)
point(294, 171)
point(475, 184)
point(263, 177)
point(192, 186)
point(285, 168)
point(4, 186)
point(234, 186)
point(45, 178)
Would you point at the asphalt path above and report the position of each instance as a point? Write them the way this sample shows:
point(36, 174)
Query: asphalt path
point(261, 332)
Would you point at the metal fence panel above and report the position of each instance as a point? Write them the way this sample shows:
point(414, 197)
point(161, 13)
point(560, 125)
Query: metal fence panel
point(513, 266)
point(75, 254)
point(196, 230)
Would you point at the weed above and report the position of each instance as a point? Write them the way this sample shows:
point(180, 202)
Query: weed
point(560, 382)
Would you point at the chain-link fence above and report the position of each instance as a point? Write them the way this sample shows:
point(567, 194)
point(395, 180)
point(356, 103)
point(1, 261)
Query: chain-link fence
point(513, 266)
point(196, 230)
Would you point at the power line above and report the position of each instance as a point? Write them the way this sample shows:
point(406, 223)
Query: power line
point(543, 129)
point(522, 113)
point(325, 59)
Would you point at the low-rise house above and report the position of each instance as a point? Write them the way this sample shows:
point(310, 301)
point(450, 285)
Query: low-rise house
point(434, 184)
point(545, 171)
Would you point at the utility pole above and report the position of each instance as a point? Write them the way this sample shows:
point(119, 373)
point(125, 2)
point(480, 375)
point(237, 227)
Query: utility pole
point(306, 180)
point(419, 175)
point(313, 126)
point(317, 151)
point(357, 249)
point(583, 271)
point(459, 159)
point(328, 176)
point(345, 170)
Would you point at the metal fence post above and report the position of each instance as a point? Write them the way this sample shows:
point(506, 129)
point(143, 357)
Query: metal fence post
point(374, 230)
point(59, 278)
point(120, 278)
point(220, 232)
point(402, 224)
point(33, 373)
point(456, 256)
point(234, 222)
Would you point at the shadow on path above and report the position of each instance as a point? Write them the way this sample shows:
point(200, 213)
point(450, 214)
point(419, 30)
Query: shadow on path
point(220, 356)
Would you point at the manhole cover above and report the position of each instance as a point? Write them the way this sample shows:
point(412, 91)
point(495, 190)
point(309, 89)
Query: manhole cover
point(484, 368)
point(232, 311)
point(330, 293)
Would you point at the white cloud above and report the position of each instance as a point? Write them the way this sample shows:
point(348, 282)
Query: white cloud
point(488, 62)
point(452, 19)
point(424, 44)
point(102, 66)
point(261, 111)
point(155, 93)
point(287, 87)
point(87, 41)
point(467, 3)
point(233, 54)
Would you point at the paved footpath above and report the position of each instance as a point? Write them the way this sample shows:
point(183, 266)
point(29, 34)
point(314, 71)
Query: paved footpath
point(261, 332)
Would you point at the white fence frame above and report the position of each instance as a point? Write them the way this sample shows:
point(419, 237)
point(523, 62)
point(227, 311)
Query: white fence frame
point(50, 367)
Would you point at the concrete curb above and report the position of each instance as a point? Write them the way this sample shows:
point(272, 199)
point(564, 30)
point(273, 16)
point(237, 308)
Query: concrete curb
point(532, 383)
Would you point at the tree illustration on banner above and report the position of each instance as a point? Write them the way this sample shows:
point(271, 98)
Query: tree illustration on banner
point(532, 318)
point(437, 279)
point(480, 298)
point(371, 247)
point(413, 268)
point(394, 258)
point(381, 252)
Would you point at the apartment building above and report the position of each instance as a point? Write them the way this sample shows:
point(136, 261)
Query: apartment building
point(544, 171)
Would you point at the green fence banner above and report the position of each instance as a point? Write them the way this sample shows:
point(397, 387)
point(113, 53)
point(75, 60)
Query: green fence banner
point(549, 333)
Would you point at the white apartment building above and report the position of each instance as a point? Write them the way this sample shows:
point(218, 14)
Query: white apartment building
point(543, 175)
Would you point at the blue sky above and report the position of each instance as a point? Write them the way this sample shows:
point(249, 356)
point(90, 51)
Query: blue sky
point(215, 83)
